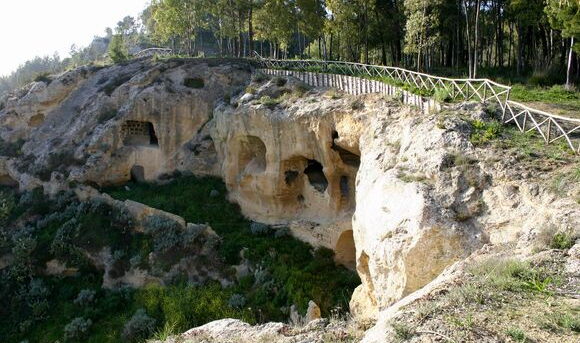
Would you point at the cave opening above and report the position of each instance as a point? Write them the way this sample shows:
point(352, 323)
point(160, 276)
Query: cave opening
point(152, 136)
point(252, 157)
point(316, 176)
point(345, 251)
point(137, 174)
point(346, 156)
point(139, 133)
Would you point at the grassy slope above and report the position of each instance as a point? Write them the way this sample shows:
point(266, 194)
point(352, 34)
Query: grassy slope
point(297, 276)
point(294, 273)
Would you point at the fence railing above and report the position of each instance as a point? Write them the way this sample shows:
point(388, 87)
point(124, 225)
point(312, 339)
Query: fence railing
point(550, 127)
point(153, 51)
point(357, 85)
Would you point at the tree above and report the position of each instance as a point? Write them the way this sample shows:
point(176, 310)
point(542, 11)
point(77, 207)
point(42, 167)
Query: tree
point(565, 15)
point(179, 18)
point(420, 33)
point(275, 23)
point(118, 49)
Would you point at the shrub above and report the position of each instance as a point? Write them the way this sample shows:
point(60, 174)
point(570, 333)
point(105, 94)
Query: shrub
point(166, 233)
point(442, 95)
point(237, 301)
point(269, 102)
point(260, 77)
point(562, 240)
point(195, 82)
point(484, 132)
point(259, 228)
point(140, 326)
point(7, 205)
point(118, 49)
point(43, 77)
point(516, 334)
point(77, 329)
point(85, 297)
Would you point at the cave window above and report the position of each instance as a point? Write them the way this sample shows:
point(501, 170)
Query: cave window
point(139, 133)
point(344, 189)
point(316, 176)
point(137, 173)
point(345, 251)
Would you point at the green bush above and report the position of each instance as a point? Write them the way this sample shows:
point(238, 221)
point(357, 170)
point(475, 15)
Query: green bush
point(77, 329)
point(118, 49)
point(484, 132)
point(43, 77)
point(442, 95)
point(140, 326)
point(562, 240)
point(269, 102)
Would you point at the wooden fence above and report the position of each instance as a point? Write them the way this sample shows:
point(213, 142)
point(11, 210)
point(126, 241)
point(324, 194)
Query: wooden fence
point(371, 78)
point(357, 86)
point(152, 52)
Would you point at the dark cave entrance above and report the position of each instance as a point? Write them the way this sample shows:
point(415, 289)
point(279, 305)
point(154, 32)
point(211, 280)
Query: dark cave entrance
point(139, 133)
point(316, 176)
point(138, 174)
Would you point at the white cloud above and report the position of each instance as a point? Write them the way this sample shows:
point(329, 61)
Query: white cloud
point(30, 28)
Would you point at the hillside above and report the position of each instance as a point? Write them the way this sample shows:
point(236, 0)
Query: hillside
point(146, 198)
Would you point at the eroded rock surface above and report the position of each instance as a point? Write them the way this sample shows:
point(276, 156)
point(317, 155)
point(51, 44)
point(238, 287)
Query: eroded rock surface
point(398, 195)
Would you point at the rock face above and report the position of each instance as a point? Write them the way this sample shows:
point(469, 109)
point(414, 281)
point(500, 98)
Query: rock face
point(107, 126)
point(398, 195)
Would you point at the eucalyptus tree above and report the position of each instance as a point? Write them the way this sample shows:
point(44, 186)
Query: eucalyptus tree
point(421, 31)
point(179, 18)
point(564, 15)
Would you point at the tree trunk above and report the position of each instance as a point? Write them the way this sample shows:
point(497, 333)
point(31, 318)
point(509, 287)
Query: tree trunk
point(469, 54)
point(520, 60)
point(476, 40)
point(569, 71)
point(251, 30)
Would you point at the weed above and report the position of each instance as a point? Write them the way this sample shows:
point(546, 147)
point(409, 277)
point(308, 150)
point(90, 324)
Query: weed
point(250, 90)
point(43, 77)
point(442, 95)
point(269, 102)
point(516, 334)
point(562, 240)
point(403, 331)
point(484, 132)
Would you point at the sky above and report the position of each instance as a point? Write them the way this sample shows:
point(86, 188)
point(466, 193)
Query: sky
point(30, 28)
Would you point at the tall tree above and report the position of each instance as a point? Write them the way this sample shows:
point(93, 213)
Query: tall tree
point(420, 33)
point(565, 15)
point(181, 18)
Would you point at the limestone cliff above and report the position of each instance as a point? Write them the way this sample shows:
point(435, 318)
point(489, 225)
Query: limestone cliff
point(399, 195)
